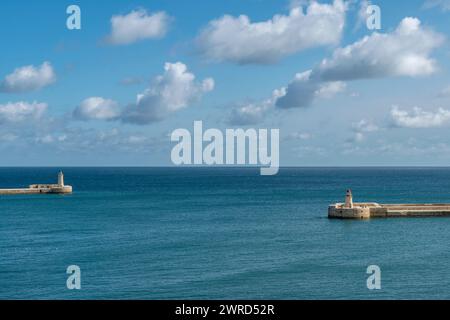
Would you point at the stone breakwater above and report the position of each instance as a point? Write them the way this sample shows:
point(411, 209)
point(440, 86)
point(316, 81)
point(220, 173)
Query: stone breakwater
point(350, 210)
point(59, 188)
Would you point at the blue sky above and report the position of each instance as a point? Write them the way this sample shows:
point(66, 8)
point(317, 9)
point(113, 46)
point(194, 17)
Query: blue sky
point(388, 103)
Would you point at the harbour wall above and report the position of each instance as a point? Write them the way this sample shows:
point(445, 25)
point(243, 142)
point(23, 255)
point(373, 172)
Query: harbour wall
point(58, 188)
point(374, 210)
point(37, 190)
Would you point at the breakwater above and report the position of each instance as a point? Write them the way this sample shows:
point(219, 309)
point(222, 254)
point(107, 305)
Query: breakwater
point(351, 210)
point(58, 188)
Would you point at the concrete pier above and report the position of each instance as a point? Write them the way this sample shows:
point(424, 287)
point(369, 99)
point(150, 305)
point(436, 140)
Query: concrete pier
point(59, 188)
point(351, 210)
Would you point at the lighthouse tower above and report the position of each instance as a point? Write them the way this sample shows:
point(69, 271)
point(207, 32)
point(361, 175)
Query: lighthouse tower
point(61, 179)
point(348, 199)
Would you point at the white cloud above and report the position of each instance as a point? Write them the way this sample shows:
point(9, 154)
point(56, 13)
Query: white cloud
point(138, 25)
point(170, 92)
point(364, 126)
point(97, 108)
point(404, 52)
point(359, 137)
point(419, 118)
point(252, 113)
point(46, 139)
point(51, 138)
point(238, 40)
point(133, 139)
point(86, 140)
point(330, 89)
point(299, 136)
point(304, 90)
point(360, 129)
point(28, 78)
point(248, 114)
point(21, 111)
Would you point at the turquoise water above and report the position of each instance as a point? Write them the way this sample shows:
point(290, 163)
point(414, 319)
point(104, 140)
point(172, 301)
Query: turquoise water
point(183, 233)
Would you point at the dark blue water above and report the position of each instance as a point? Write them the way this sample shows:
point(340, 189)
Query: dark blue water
point(148, 233)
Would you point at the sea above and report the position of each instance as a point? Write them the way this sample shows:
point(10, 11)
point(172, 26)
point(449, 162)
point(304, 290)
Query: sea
point(221, 233)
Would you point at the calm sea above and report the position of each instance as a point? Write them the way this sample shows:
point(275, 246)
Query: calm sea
point(216, 233)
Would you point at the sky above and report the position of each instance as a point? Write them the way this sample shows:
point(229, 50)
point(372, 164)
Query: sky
point(111, 93)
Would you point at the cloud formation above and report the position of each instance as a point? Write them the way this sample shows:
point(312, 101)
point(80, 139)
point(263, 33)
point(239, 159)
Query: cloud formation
point(15, 112)
point(138, 25)
point(169, 92)
point(299, 136)
point(238, 40)
point(253, 113)
point(97, 108)
point(362, 127)
point(404, 52)
point(419, 118)
point(28, 78)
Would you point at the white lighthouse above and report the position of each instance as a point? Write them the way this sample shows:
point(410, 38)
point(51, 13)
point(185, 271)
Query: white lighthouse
point(348, 199)
point(61, 179)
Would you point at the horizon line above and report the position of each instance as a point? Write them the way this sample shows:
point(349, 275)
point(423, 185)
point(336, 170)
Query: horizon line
point(229, 167)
